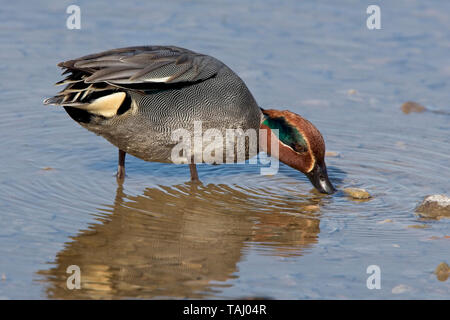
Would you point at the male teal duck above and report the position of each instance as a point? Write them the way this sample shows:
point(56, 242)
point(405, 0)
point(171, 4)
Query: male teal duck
point(136, 97)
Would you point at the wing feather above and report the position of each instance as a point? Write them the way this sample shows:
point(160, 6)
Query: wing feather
point(145, 65)
point(142, 69)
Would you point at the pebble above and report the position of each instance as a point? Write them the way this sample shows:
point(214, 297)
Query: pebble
point(331, 154)
point(434, 207)
point(411, 106)
point(401, 288)
point(401, 145)
point(357, 193)
point(419, 226)
point(3, 277)
point(439, 238)
point(442, 271)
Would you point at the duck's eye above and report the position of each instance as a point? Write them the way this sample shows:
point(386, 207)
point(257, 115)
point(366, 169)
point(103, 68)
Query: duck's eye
point(299, 148)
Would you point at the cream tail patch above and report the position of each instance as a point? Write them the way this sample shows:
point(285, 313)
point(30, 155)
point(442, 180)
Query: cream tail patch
point(106, 106)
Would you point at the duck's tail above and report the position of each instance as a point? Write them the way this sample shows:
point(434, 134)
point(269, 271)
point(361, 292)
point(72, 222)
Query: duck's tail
point(98, 98)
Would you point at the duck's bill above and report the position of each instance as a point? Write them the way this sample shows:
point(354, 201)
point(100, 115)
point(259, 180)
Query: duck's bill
point(319, 179)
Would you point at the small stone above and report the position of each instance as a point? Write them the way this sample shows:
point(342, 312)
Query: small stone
point(385, 221)
point(352, 92)
point(434, 207)
point(442, 271)
point(401, 288)
point(3, 277)
point(439, 238)
point(411, 106)
point(357, 193)
point(331, 154)
point(418, 226)
point(401, 145)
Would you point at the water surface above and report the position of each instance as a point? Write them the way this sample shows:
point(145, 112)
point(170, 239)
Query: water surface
point(239, 234)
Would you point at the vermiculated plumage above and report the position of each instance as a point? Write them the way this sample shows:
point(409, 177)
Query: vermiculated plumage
point(135, 97)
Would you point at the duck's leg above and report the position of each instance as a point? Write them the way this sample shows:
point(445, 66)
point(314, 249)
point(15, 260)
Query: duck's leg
point(121, 167)
point(194, 174)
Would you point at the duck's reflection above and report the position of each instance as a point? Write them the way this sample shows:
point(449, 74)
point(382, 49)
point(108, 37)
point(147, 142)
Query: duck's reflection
point(181, 241)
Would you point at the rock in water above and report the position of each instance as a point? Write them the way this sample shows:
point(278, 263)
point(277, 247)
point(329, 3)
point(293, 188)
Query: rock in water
point(331, 154)
point(401, 288)
point(442, 271)
point(357, 193)
point(434, 207)
point(411, 106)
point(418, 226)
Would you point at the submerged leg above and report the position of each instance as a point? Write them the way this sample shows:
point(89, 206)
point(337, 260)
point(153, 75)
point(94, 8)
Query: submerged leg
point(121, 167)
point(194, 174)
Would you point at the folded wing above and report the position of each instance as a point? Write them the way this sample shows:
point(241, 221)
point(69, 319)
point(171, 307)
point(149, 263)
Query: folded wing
point(94, 81)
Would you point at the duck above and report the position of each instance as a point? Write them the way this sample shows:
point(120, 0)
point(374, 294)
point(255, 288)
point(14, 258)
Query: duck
point(136, 97)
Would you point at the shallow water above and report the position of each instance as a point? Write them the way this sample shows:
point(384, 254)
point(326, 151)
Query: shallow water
point(239, 234)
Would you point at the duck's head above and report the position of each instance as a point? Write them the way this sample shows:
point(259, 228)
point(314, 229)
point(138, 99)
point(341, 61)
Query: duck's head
point(301, 146)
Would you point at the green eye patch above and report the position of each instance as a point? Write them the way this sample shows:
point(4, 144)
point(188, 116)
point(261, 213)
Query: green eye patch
point(288, 134)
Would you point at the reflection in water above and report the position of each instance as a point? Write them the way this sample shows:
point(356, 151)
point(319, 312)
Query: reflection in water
point(181, 241)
